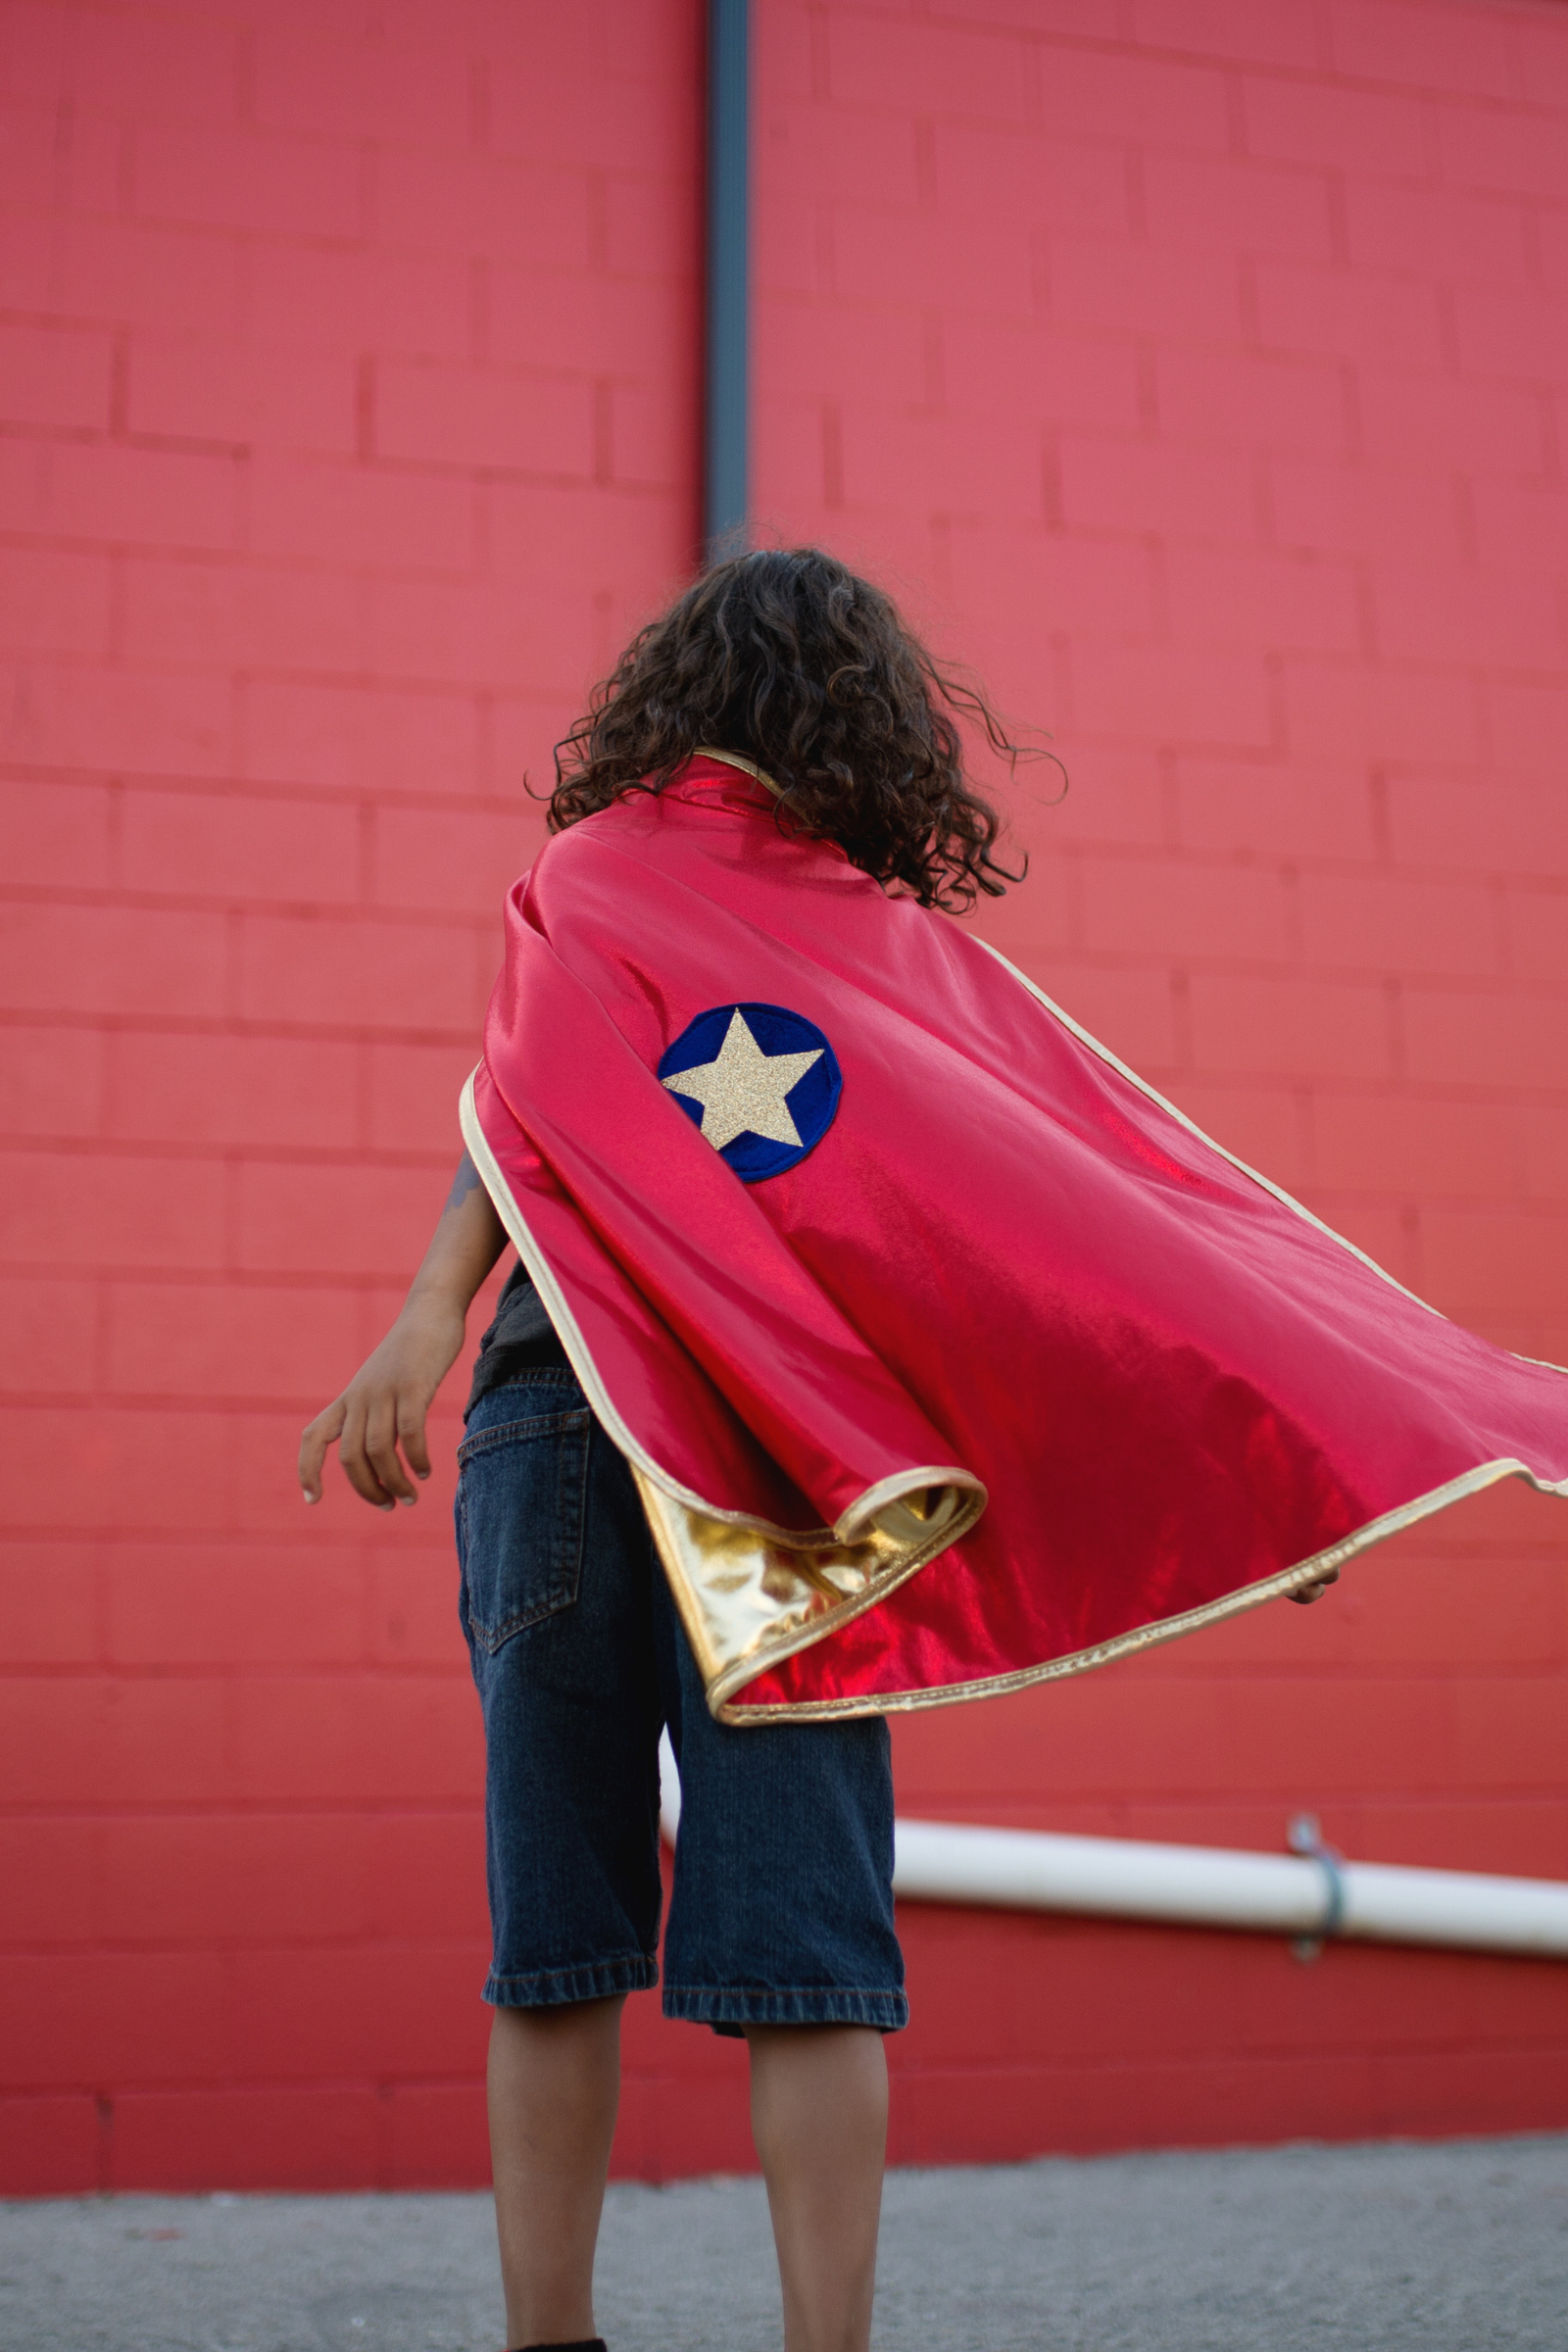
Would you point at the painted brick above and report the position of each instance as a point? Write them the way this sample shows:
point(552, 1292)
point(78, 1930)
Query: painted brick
point(1219, 912)
point(1340, 712)
point(55, 375)
point(1432, 421)
point(215, 392)
point(1514, 153)
point(1096, 282)
point(1314, 123)
point(1218, 398)
point(209, 1341)
point(1544, 1148)
point(234, 845)
point(358, 736)
point(71, 1209)
point(71, 1739)
point(358, 1738)
point(229, 1090)
point(284, 2138)
point(1139, 486)
point(931, 70)
point(53, 603)
point(414, 1096)
point(52, 1330)
point(1410, 517)
point(57, 837)
point(198, 1878)
point(459, 862)
point(1348, 313)
point(531, 424)
point(1502, 332)
point(139, 1470)
point(1312, 1028)
point(1525, 723)
point(1398, 926)
point(222, 615)
point(369, 517)
point(1431, 232)
point(1293, 603)
point(430, 202)
point(117, 719)
point(1411, 1146)
point(156, 68)
point(377, 975)
point(336, 1221)
point(1520, 826)
point(1522, 531)
point(1536, 924)
point(110, 959)
point(121, 271)
point(394, 85)
point(1287, 810)
point(51, 1081)
point(1050, 183)
point(1474, 55)
point(1424, 614)
point(1283, 35)
point(1227, 206)
point(119, 496)
point(611, 328)
point(1175, 696)
point(178, 1606)
point(996, 470)
point(1484, 1039)
point(49, 1611)
point(232, 179)
point(894, 257)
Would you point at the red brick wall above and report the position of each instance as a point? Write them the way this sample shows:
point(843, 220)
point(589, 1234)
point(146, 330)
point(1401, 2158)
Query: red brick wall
point(1197, 372)
point(1200, 371)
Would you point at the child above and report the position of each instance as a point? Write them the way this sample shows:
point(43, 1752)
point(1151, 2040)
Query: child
point(877, 1339)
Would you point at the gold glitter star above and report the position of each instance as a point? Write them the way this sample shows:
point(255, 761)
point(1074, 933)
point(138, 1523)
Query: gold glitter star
point(742, 1090)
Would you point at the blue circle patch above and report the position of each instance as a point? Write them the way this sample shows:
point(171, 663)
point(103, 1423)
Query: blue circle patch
point(760, 1082)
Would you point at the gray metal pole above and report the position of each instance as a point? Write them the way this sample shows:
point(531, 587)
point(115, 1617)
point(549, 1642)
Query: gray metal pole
point(727, 384)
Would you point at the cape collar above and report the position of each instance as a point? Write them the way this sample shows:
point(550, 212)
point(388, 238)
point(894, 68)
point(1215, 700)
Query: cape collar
point(706, 751)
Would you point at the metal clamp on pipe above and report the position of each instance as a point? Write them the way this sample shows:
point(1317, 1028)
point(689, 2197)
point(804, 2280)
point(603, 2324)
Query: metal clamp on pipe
point(1305, 1836)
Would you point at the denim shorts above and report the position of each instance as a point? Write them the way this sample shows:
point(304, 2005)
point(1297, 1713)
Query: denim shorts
point(782, 1905)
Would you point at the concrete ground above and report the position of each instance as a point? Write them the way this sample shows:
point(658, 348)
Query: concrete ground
point(1453, 2247)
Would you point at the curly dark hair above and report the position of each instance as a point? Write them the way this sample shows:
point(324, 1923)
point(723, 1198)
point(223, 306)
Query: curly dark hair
point(788, 657)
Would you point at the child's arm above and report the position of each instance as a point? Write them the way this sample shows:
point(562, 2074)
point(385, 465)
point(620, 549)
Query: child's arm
point(385, 1403)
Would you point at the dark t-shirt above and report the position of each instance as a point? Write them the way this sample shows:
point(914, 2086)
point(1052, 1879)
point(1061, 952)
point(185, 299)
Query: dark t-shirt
point(521, 1337)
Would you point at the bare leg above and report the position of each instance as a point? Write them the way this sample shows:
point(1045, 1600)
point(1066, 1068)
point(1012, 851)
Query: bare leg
point(820, 2119)
point(554, 2083)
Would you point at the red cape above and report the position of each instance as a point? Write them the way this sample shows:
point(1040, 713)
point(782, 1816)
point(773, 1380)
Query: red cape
point(1011, 1372)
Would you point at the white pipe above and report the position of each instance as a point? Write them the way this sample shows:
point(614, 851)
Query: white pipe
point(1205, 1886)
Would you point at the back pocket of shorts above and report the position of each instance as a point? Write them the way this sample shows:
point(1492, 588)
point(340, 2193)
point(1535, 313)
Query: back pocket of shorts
point(522, 1493)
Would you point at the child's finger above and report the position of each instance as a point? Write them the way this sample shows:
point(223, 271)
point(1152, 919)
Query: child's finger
point(381, 1449)
point(410, 1436)
point(357, 1466)
point(318, 1435)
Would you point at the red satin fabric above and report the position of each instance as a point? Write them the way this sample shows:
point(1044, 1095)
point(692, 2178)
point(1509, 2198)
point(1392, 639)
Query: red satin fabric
point(1002, 1255)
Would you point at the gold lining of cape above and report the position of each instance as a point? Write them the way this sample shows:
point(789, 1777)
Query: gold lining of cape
point(749, 1593)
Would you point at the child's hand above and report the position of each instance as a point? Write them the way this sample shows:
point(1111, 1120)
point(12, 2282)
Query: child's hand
point(1309, 1592)
point(384, 1406)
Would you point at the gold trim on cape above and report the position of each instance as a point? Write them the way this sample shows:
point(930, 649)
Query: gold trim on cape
point(750, 1594)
